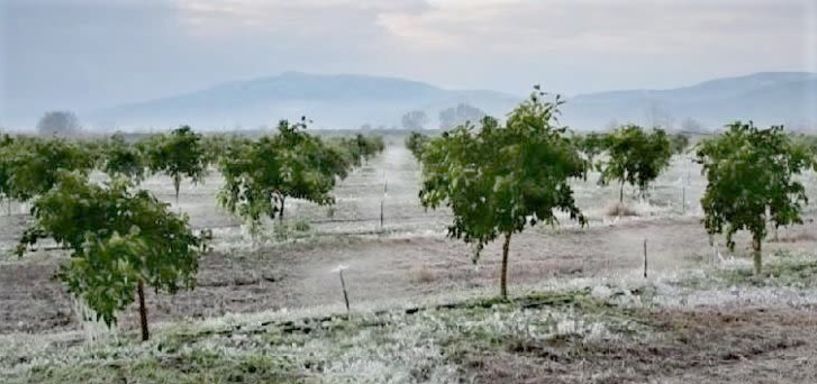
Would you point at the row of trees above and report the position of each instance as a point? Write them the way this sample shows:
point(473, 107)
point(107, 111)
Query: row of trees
point(261, 175)
point(500, 178)
point(122, 239)
point(631, 154)
point(448, 118)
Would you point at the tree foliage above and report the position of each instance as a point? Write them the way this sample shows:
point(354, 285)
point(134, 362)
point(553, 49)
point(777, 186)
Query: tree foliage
point(181, 154)
point(58, 123)
point(122, 159)
point(118, 241)
point(261, 175)
point(635, 157)
point(750, 174)
point(416, 142)
point(500, 179)
point(591, 145)
point(31, 165)
point(679, 143)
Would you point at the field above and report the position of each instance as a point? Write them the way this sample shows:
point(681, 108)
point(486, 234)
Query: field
point(421, 311)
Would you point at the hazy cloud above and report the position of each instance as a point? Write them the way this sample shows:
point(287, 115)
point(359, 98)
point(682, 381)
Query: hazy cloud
point(87, 54)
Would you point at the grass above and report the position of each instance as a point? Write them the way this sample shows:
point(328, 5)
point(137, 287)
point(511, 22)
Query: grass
point(411, 345)
point(780, 270)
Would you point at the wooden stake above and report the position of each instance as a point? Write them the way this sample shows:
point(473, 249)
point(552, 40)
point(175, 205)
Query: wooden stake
point(645, 258)
point(381, 214)
point(343, 286)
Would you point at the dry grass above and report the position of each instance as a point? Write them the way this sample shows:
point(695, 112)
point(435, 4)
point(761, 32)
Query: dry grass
point(621, 210)
point(422, 275)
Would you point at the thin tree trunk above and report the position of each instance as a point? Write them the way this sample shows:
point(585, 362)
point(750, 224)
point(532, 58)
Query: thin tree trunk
point(143, 312)
point(621, 193)
point(503, 279)
point(756, 256)
point(177, 182)
point(281, 213)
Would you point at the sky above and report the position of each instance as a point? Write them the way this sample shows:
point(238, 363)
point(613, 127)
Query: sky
point(90, 54)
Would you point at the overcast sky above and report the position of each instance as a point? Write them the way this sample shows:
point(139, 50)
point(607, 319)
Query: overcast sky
point(89, 54)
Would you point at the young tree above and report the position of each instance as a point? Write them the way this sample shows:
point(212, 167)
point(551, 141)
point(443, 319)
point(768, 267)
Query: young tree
point(500, 179)
point(415, 142)
point(591, 145)
point(180, 154)
point(119, 158)
point(635, 157)
point(261, 175)
point(751, 182)
point(679, 143)
point(119, 242)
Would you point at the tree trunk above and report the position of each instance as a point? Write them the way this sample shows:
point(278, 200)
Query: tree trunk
point(503, 279)
point(143, 312)
point(177, 182)
point(281, 212)
point(756, 256)
point(621, 193)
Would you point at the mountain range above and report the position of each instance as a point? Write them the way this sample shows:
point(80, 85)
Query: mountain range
point(349, 101)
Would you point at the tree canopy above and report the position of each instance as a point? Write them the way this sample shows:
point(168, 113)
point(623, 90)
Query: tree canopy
point(122, 159)
point(118, 242)
point(58, 123)
point(750, 174)
point(180, 154)
point(261, 175)
point(31, 165)
point(635, 157)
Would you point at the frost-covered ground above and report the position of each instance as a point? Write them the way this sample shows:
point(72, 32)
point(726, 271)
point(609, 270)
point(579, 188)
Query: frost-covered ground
point(697, 315)
point(670, 328)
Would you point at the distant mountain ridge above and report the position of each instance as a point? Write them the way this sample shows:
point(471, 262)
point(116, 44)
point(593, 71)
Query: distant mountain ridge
point(766, 98)
point(348, 101)
point(331, 101)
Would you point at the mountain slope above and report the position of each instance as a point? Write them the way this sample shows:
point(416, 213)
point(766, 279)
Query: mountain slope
point(767, 98)
point(348, 101)
point(331, 101)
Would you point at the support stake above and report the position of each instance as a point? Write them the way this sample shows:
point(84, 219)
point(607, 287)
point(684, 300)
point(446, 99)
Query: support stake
point(340, 269)
point(381, 214)
point(645, 258)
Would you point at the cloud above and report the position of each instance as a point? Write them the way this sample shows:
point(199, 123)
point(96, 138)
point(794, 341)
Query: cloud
point(89, 53)
point(633, 27)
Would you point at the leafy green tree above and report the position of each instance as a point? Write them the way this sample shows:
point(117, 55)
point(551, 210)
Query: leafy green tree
point(635, 157)
point(119, 242)
point(32, 165)
point(261, 175)
point(6, 155)
point(679, 143)
point(500, 179)
point(415, 142)
point(751, 182)
point(180, 154)
point(120, 158)
point(591, 145)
